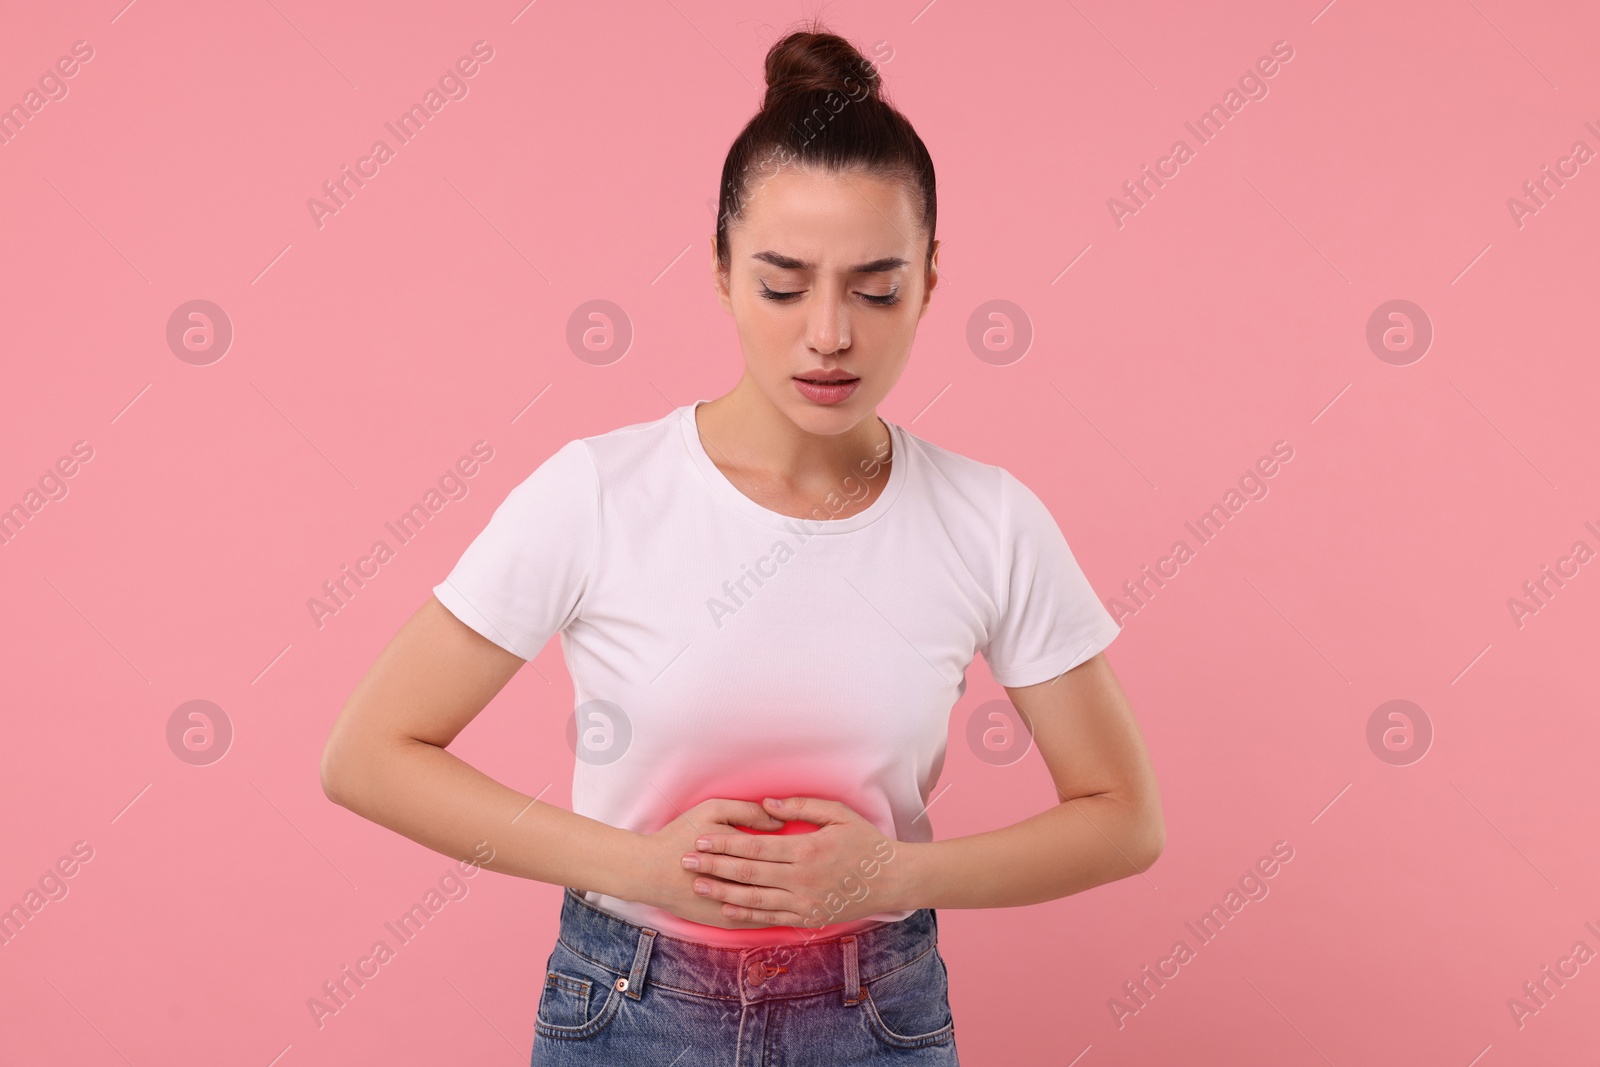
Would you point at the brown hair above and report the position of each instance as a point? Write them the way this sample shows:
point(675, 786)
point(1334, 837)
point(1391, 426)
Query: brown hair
point(824, 108)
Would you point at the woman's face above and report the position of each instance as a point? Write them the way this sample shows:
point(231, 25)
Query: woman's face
point(847, 246)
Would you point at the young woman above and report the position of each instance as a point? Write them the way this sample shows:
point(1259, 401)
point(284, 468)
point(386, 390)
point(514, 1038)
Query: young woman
point(767, 603)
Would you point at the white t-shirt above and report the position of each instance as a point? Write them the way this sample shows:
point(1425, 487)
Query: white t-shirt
point(720, 649)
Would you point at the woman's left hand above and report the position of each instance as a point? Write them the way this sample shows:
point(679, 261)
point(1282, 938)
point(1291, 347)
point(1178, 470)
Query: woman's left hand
point(840, 872)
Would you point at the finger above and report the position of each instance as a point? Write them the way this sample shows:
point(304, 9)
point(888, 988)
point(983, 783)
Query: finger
point(760, 918)
point(760, 904)
point(806, 809)
point(735, 869)
point(746, 813)
point(772, 848)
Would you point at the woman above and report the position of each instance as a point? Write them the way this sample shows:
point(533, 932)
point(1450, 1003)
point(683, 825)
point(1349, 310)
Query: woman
point(767, 602)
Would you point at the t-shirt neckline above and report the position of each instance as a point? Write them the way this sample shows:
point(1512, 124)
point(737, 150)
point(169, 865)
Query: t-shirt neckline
point(727, 491)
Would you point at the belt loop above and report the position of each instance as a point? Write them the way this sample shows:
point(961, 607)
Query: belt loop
point(852, 977)
point(641, 962)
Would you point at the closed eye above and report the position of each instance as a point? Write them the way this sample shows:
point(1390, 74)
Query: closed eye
point(880, 301)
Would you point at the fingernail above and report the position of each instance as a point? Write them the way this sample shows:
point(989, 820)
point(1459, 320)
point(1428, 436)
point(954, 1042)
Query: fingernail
point(691, 863)
point(773, 803)
point(702, 843)
point(702, 888)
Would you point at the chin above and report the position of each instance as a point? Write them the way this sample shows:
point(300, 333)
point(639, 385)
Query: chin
point(826, 418)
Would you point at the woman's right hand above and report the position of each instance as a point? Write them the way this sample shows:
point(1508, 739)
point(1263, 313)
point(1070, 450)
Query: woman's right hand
point(669, 886)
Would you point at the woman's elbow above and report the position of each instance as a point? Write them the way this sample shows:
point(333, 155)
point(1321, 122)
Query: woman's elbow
point(329, 772)
point(1153, 836)
point(337, 771)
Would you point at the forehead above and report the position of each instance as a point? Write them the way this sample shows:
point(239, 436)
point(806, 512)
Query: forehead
point(826, 217)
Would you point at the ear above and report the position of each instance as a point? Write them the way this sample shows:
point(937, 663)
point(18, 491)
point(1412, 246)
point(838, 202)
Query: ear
point(932, 280)
point(719, 281)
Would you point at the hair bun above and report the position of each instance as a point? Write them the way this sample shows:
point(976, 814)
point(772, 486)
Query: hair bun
point(819, 63)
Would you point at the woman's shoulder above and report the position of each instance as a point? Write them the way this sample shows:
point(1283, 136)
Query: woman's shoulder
point(630, 446)
point(952, 469)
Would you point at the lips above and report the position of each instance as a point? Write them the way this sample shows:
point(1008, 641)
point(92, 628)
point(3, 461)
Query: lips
point(827, 379)
point(827, 391)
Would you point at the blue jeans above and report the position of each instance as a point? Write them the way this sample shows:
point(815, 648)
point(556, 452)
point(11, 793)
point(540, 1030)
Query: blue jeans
point(618, 993)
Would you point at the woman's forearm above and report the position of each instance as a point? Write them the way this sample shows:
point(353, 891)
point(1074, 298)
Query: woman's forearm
point(1074, 846)
point(435, 798)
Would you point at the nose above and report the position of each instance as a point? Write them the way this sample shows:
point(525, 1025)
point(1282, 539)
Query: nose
point(828, 327)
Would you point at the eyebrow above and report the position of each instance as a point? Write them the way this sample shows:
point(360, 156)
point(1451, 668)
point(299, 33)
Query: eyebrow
point(876, 266)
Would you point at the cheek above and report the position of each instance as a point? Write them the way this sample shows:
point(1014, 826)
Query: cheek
point(887, 334)
point(761, 355)
point(768, 336)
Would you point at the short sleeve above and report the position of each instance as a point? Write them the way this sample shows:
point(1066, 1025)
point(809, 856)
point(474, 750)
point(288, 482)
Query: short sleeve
point(1050, 618)
point(522, 579)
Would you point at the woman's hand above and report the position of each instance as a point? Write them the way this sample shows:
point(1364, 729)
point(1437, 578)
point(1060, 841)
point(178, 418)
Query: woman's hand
point(833, 875)
point(669, 886)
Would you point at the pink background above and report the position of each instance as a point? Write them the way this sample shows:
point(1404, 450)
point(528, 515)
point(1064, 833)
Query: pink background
point(431, 312)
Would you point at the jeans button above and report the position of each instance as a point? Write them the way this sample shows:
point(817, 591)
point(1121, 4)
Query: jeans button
point(760, 970)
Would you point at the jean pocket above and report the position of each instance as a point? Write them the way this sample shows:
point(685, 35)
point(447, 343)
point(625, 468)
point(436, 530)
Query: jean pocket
point(579, 998)
point(910, 1007)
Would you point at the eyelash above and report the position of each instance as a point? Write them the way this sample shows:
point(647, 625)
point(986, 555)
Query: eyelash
point(879, 301)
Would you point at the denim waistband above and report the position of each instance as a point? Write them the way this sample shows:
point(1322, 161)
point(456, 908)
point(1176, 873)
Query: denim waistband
point(805, 967)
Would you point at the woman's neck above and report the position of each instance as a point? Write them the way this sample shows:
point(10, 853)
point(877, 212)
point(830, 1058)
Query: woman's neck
point(758, 446)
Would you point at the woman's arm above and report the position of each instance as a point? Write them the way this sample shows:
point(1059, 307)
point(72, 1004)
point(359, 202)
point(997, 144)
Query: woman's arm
point(1107, 826)
point(385, 760)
